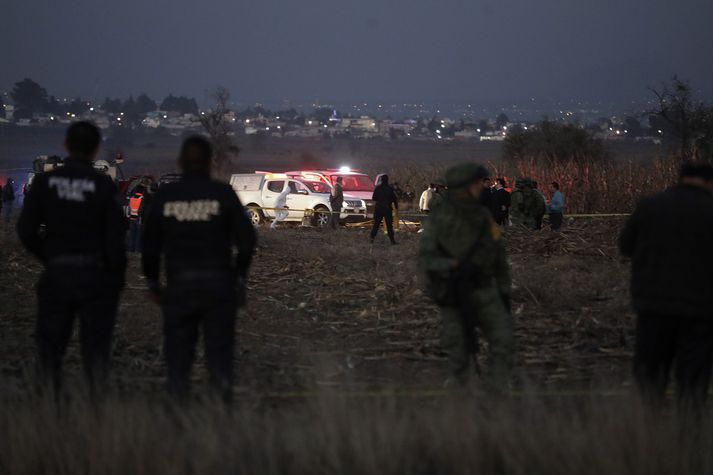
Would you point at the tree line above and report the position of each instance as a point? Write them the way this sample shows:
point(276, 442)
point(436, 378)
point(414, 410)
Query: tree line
point(682, 123)
point(30, 97)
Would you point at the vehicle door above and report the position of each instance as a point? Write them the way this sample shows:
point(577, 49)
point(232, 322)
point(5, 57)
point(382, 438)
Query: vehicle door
point(270, 190)
point(298, 200)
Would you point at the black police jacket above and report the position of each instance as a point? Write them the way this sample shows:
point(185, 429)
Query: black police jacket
point(74, 211)
point(669, 239)
point(384, 196)
point(195, 223)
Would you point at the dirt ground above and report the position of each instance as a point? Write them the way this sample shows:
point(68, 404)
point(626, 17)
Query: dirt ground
point(327, 310)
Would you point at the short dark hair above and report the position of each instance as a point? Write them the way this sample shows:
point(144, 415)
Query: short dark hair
point(196, 154)
point(697, 170)
point(432, 185)
point(501, 181)
point(83, 139)
point(555, 185)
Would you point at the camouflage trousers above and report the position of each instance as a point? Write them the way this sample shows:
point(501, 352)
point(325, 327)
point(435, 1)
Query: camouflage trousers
point(495, 325)
point(527, 221)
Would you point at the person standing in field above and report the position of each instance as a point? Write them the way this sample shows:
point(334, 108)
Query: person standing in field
point(668, 238)
point(424, 203)
point(502, 198)
point(463, 256)
point(336, 200)
point(385, 198)
point(72, 221)
point(527, 204)
point(281, 210)
point(135, 204)
point(556, 207)
point(8, 200)
point(194, 225)
point(541, 209)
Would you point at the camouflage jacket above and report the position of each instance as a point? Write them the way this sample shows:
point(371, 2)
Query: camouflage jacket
point(526, 206)
point(455, 223)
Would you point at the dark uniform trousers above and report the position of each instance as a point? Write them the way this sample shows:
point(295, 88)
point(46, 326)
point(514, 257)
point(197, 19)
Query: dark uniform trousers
point(556, 220)
point(385, 215)
point(336, 211)
point(66, 292)
point(206, 299)
point(665, 340)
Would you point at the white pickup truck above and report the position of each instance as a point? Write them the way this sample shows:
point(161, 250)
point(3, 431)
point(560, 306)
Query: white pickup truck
point(258, 192)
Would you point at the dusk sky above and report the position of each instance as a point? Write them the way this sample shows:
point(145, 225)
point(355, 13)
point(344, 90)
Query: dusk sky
point(372, 50)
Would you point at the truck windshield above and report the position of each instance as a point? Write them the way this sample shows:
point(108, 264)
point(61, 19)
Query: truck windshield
point(354, 182)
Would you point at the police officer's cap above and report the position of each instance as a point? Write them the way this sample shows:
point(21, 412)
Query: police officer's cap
point(465, 174)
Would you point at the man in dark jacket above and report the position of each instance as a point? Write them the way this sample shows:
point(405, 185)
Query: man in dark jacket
point(73, 223)
point(384, 198)
point(488, 198)
point(336, 200)
point(8, 200)
point(194, 224)
point(668, 238)
point(502, 198)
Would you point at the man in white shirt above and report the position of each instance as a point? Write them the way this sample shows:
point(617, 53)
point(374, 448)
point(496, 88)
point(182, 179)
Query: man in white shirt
point(424, 204)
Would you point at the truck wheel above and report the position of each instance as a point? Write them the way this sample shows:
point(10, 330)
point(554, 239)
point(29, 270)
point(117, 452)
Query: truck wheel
point(255, 215)
point(321, 217)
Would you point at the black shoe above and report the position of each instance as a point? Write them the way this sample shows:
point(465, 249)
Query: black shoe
point(393, 243)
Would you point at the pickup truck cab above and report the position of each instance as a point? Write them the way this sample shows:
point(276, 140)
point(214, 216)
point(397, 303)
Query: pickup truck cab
point(307, 199)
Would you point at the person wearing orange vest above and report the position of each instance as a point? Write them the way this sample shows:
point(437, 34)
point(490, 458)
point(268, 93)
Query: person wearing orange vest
point(135, 212)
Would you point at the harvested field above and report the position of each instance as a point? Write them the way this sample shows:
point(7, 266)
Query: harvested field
point(341, 372)
point(328, 310)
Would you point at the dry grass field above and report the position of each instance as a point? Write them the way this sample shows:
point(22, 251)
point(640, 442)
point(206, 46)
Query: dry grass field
point(340, 371)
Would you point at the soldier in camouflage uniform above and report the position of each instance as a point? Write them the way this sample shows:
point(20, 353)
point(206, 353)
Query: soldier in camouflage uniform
point(461, 237)
point(526, 204)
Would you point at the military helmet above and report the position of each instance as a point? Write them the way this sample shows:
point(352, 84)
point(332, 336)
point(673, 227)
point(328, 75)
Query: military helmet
point(464, 174)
